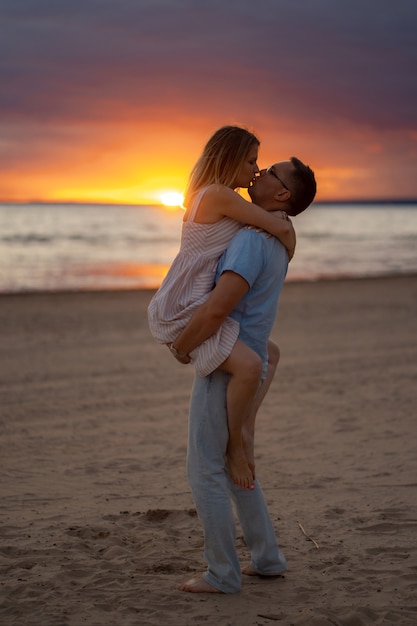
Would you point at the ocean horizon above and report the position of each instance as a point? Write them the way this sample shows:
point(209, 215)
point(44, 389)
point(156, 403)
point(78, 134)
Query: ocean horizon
point(65, 246)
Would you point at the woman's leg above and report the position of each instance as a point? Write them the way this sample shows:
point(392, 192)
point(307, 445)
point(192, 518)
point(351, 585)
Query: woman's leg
point(249, 425)
point(245, 368)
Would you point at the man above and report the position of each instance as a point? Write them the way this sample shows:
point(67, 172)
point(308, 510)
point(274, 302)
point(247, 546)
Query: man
point(250, 276)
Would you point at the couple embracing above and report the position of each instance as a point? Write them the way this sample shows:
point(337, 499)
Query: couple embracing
point(216, 308)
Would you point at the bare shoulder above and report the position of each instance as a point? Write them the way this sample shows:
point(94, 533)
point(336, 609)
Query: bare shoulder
point(214, 203)
point(217, 191)
point(212, 193)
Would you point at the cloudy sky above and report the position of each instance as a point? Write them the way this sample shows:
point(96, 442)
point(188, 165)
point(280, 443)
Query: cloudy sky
point(113, 100)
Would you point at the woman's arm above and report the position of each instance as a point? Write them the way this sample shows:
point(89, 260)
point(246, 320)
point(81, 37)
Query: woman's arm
point(220, 201)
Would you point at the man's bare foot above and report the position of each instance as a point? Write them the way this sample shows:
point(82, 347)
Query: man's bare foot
point(248, 570)
point(240, 472)
point(198, 585)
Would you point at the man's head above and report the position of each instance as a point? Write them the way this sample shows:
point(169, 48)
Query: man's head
point(288, 186)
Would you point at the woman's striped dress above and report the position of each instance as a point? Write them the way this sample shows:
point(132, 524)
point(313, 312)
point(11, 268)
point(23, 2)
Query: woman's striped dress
point(188, 284)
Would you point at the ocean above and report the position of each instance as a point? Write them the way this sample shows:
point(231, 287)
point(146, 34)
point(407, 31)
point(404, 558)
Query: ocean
point(62, 247)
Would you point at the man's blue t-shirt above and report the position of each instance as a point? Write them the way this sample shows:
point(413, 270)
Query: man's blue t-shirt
point(262, 261)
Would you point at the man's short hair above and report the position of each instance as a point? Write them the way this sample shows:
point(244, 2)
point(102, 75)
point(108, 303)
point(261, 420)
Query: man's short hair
point(303, 187)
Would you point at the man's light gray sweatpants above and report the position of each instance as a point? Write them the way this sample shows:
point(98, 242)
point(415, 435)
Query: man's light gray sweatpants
point(213, 492)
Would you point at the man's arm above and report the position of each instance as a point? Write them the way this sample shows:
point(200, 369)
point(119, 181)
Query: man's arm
point(208, 318)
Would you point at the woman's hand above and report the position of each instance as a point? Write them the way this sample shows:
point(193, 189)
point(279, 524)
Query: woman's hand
point(290, 237)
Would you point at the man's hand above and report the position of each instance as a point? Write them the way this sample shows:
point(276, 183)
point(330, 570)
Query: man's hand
point(185, 359)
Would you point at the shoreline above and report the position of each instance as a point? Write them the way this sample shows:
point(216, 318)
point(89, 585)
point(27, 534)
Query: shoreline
point(296, 281)
point(98, 524)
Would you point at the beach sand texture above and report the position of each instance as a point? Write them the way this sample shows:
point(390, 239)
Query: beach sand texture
point(97, 522)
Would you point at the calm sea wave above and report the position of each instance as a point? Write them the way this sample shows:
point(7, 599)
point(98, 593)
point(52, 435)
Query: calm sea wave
point(46, 247)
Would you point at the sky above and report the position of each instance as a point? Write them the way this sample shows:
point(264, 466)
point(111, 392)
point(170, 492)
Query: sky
point(113, 100)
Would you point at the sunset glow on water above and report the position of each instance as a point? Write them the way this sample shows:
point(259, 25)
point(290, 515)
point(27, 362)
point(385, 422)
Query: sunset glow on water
point(67, 247)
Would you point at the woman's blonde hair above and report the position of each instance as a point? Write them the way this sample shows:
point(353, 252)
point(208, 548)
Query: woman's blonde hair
point(222, 158)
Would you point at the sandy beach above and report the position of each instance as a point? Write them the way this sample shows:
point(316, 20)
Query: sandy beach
point(97, 521)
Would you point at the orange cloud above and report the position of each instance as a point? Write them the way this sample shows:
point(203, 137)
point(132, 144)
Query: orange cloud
point(135, 161)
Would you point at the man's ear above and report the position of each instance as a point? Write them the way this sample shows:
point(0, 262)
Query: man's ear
point(282, 196)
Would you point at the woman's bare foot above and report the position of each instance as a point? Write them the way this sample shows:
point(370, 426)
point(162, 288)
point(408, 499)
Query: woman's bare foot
point(252, 469)
point(248, 440)
point(198, 585)
point(239, 470)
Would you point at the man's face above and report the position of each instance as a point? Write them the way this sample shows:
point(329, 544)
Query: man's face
point(270, 183)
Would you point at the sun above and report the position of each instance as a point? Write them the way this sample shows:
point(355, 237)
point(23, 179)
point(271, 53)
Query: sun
point(172, 198)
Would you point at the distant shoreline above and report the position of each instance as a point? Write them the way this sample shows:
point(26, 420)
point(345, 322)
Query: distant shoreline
point(138, 290)
point(368, 202)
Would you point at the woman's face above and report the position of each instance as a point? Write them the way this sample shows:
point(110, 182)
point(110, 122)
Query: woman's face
point(248, 170)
